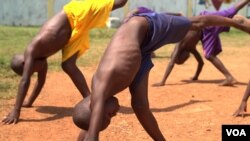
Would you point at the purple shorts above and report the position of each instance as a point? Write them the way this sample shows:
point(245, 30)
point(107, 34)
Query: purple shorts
point(163, 29)
point(210, 35)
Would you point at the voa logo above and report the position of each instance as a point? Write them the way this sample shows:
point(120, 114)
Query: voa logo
point(236, 132)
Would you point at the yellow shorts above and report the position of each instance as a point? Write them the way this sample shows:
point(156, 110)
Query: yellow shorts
point(84, 15)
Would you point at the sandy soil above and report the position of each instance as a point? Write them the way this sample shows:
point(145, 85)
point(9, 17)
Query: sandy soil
point(185, 110)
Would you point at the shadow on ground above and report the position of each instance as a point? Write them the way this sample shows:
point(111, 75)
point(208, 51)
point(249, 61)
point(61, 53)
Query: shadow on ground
point(129, 110)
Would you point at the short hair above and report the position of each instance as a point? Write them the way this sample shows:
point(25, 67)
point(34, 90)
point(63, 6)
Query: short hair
point(17, 63)
point(82, 113)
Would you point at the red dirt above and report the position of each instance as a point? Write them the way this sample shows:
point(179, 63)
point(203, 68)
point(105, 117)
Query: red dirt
point(185, 110)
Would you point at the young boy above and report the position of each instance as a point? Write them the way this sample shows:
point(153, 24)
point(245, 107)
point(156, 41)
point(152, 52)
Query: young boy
point(81, 114)
point(68, 30)
point(241, 111)
point(127, 61)
point(211, 43)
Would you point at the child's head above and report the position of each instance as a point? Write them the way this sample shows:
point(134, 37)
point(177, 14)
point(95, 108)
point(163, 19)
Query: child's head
point(182, 57)
point(82, 113)
point(17, 64)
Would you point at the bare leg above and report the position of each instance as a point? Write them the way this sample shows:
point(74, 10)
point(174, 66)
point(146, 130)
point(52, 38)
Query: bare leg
point(52, 37)
point(140, 105)
point(230, 80)
point(69, 66)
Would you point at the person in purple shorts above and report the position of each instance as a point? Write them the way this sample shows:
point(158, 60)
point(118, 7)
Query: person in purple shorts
point(211, 43)
point(126, 62)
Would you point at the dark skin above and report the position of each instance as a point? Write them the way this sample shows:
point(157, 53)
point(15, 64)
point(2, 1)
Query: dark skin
point(52, 37)
point(118, 74)
point(82, 112)
point(241, 111)
point(119, 65)
point(188, 44)
point(40, 68)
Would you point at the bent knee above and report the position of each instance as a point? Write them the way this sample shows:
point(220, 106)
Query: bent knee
point(209, 58)
point(68, 67)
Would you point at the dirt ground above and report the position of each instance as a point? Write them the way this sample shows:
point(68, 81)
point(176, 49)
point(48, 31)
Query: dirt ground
point(185, 110)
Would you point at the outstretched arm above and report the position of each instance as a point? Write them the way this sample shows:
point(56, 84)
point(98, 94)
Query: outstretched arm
point(241, 4)
point(200, 63)
point(98, 99)
point(199, 22)
point(140, 105)
point(13, 116)
point(243, 106)
point(38, 86)
point(170, 66)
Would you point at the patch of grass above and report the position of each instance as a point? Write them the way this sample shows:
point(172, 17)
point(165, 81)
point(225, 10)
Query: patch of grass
point(14, 40)
point(235, 38)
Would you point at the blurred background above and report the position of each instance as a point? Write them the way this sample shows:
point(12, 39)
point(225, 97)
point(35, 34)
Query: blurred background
point(36, 12)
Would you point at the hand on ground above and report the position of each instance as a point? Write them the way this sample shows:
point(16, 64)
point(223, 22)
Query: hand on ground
point(11, 118)
point(241, 111)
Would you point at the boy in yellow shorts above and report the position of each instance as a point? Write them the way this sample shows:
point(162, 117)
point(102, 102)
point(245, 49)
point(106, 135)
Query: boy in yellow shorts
point(68, 30)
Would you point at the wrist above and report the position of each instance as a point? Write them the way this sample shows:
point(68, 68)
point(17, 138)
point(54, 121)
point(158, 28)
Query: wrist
point(17, 109)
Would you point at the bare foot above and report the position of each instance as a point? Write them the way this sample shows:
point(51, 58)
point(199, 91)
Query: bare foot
point(26, 105)
point(158, 84)
point(228, 82)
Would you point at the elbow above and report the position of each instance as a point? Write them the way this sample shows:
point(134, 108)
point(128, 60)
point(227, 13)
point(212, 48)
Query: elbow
point(202, 21)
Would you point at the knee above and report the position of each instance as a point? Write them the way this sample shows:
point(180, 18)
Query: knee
point(67, 67)
point(209, 58)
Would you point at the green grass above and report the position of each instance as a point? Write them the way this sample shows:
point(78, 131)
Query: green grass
point(235, 38)
point(13, 40)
